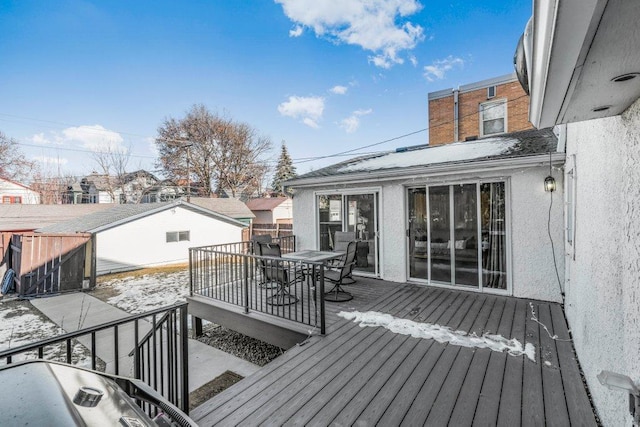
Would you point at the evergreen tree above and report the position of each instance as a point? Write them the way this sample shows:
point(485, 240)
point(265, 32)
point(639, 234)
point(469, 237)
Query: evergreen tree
point(284, 171)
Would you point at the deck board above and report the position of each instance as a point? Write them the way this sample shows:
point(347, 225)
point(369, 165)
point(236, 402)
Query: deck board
point(533, 410)
point(369, 376)
point(554, 396)
point(575, 397)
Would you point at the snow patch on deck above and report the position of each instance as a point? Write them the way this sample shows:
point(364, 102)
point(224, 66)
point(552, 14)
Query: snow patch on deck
point(442, 334)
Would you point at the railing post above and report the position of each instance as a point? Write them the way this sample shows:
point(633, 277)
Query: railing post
point(322, 313)
point(245, 263)
point(191, 272)
point(184, 342)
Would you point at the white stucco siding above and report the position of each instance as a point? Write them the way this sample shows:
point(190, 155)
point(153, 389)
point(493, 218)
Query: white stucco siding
point(393, 264)
point(304, 227)
point(143, 242)
point(603, 283)
point(533, 271)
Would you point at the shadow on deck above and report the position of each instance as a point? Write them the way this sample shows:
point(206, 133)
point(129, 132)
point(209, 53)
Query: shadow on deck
point(370, 375)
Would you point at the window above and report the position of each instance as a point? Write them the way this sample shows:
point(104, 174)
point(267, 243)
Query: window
point(493, 117)
point(178, 236)
point(491, 92)
point(12, 199)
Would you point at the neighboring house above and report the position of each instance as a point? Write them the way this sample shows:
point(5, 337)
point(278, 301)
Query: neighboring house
point(132, 236)
point(12, 192)
point(233, 208)
point(135, 187)
point(468, 215)
point(272, 210)
point(163, 191)
point(99, 188)
point(583, 69)
point(476, 110)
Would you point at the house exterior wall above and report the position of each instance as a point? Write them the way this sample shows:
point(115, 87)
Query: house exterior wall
point(441, 112)
point(603, 263)
point(263, 217)
point(142, 242)
point(12, 190)
point(283, 212)
point(533, 272)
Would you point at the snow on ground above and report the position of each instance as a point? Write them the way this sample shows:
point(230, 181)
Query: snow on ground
point(150, 291)
point(21, 324)
point(442, 334)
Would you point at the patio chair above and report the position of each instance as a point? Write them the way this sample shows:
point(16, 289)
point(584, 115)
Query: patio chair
point(340, 242)
point(275, 272)
point(339, 274)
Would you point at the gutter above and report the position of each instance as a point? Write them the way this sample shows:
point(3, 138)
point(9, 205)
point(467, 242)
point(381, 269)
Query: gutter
point(557, 158)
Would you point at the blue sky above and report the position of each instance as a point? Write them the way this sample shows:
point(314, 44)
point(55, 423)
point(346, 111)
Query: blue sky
point(325, 76)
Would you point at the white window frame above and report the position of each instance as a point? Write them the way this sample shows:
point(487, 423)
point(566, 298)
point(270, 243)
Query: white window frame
point(178, 236)
point(570, 206)
point(481, 118)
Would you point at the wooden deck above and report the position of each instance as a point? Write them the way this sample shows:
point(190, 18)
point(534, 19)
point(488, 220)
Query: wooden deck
point(368, 376)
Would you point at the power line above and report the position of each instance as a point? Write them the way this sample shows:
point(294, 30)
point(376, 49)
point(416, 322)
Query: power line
point(268, 163)
point(309, 159)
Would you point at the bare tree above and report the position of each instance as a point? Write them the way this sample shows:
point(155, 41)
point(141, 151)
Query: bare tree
point(218, 152)
point(13, 163)
point(113, 165)
point(52, 188)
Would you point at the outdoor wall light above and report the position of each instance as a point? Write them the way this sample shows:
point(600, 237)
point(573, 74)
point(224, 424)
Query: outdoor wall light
point(550, 184)
point(614, 381)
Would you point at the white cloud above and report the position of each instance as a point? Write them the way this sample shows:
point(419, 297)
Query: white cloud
point(339, 90)
point(39, 138)
point(439, 68)
point(296, 31)
point(352, 123)
point(309, 109)
point(414, 60)
point(375, 25)
point(51, 160)
point(94, 137)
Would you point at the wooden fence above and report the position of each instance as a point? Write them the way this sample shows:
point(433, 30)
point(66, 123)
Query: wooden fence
point(51, 263)
point(274, 230)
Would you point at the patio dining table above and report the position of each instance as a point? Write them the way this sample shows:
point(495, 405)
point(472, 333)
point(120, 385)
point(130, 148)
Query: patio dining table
point(313, 256)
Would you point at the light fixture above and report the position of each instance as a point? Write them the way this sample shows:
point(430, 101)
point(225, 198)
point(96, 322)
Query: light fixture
point(549, 184)
point(550, 181)
point(614, 381)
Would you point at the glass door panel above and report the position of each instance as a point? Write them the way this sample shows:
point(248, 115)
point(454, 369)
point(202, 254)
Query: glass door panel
point(440, 234)
point(329, 219)
point(493, 244)
point(418, 233)
point(361, 219)
point(465, 247)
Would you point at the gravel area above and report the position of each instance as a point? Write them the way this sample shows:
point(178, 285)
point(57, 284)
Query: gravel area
point(242, 346)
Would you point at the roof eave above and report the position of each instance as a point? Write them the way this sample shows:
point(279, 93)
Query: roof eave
point(440, 169)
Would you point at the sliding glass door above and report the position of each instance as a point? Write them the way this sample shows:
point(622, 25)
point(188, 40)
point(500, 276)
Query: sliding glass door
point(457, 234)
point(352, 213)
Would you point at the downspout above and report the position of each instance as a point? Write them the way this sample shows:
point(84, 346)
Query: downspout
point(455, 115)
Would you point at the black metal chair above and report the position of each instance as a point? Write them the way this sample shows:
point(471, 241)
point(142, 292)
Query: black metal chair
point(339, 274)
point(341, 241)
point(275, 272)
